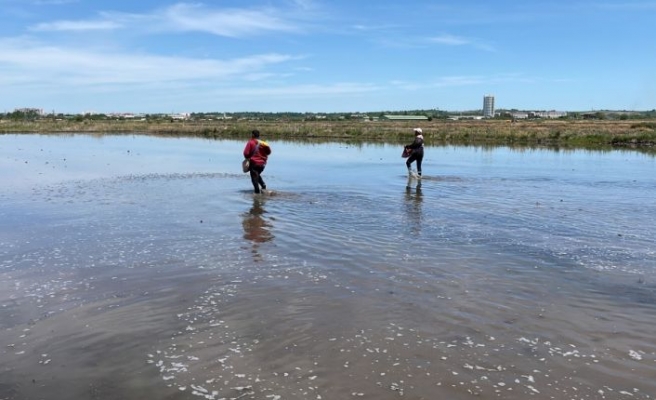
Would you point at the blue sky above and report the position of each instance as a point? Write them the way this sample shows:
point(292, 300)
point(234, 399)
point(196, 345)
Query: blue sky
point(148, 56)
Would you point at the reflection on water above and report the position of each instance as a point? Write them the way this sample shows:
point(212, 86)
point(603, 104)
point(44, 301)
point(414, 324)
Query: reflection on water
point(257, 227)
point(501, 274)
point(413, 200)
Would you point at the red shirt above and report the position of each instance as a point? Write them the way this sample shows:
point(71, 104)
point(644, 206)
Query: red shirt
point(257, 151)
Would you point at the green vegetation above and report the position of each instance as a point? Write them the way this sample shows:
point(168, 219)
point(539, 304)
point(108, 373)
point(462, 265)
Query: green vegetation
point(635, 130)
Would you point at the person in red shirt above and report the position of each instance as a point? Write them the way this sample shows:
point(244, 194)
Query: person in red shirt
point(257, 152)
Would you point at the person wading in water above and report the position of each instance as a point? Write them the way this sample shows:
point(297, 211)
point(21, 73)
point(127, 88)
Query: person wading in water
point(257, 152)
point(417, 149)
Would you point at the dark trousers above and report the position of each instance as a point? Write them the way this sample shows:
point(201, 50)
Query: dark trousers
point(256, 176)
point(416, 156)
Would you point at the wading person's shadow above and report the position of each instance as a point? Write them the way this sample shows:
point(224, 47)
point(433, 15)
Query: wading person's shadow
point(413, 202)
point(257, 228)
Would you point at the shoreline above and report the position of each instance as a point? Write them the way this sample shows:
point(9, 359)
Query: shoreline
point(635, 134)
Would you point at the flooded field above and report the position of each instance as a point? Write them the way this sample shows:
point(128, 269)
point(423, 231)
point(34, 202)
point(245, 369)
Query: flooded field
point(137, 267)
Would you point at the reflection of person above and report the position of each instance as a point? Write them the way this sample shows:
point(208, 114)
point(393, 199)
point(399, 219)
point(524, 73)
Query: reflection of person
point(413, 205)
point(256, 227)
point(417, 147)
point(257, 152)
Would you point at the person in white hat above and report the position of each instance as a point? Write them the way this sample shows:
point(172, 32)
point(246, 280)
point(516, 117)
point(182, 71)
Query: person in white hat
point(417, 148)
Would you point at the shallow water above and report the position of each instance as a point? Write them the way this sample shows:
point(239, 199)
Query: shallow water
point(137, 267)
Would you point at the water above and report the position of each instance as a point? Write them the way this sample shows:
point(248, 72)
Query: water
point(138, 267)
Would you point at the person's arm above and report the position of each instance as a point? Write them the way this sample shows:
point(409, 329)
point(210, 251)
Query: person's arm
point(248, 150)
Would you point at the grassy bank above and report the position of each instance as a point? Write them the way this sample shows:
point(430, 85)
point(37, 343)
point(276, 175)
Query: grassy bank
point(562, 133)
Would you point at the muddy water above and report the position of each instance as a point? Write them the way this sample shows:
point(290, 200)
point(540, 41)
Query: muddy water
point(135, 267)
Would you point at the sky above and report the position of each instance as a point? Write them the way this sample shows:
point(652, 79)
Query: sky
point(146, 56)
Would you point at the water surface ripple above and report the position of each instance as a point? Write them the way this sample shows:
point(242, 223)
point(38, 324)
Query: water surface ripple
point(136, 267)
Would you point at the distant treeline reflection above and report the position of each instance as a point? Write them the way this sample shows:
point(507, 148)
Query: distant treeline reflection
point(555, 135)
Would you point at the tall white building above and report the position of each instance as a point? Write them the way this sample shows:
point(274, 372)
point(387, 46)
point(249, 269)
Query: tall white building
point(488, 106)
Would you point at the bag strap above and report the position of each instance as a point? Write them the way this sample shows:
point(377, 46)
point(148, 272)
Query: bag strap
point(257, 146)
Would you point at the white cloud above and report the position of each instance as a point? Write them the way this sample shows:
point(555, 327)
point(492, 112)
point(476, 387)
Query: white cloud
point(313, 90)
point(462, 80)
point(227, 22)
point(450, 40)
point(304, 4)
point(69, 66)
point(374, 28)
point(439, 82)
point(76, 26)
point(416, 42)
point(306, 97)
point(405, 85)
point(186, 17)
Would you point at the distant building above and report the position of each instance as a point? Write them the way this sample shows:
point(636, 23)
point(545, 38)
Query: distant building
point(468, 117)
point(406, 117)
point(519, 115)
point(537, 114)
point(488, 106)
point(550, 114)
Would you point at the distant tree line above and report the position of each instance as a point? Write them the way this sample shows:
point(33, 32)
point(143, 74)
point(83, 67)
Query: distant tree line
point(35, 115)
